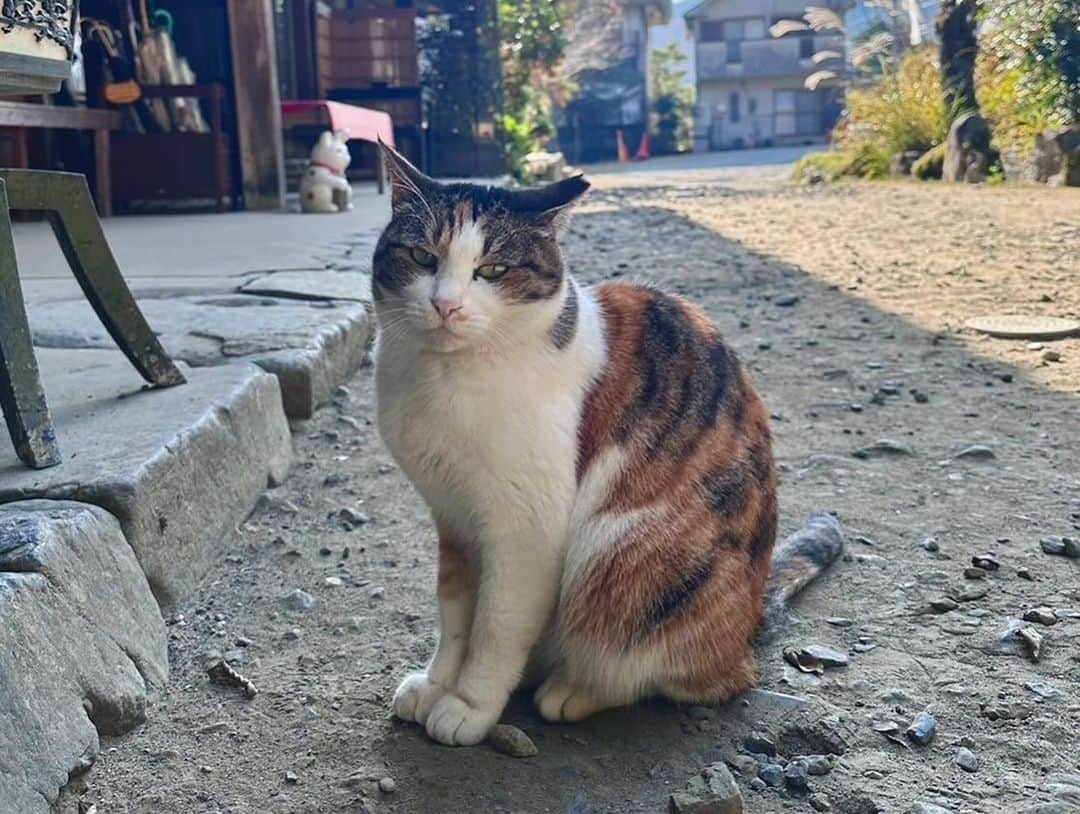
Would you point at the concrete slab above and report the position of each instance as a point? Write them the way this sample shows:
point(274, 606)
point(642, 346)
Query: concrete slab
point(216, 248)
point(310, 346)
point(179, 467)
point(82, 645)
point(327, 284)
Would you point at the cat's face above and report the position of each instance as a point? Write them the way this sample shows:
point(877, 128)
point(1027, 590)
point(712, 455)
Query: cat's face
point(463, 266)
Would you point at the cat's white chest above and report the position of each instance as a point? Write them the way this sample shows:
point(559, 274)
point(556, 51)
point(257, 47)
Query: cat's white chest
point(482, 437)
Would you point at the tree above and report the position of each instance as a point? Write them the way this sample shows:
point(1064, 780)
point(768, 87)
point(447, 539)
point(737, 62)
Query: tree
point(1032, 51)
point(673, 105)
point(955, 26)
point(533, 39)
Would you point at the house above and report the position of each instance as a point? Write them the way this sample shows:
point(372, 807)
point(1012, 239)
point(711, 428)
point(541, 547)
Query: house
point(614, 87)
point(750, 85)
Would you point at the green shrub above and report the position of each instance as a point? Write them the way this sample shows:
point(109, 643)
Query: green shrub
point(902, 110)
point(857, 161)
point(930, 164)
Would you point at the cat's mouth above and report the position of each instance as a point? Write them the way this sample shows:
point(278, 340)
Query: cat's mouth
point(445, 337)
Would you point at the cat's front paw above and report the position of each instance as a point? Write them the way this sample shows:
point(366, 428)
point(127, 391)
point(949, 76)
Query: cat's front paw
point(415, 697)
point(456, 723)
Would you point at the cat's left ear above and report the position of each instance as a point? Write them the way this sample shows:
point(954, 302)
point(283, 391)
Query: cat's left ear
point(407, 183)
point(552, 203)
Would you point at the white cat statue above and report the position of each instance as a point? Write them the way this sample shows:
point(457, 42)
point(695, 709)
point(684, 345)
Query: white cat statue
point(324, 187)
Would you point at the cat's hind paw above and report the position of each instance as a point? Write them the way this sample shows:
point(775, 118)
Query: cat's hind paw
point(415, 697)
point(559, 702)
point(454, 722)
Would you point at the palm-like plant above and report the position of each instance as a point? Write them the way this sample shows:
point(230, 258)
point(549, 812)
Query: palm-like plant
point(898, 27)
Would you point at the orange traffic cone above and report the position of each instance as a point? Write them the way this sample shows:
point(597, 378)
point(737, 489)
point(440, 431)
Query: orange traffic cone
point(643, 153)
point(624, 154)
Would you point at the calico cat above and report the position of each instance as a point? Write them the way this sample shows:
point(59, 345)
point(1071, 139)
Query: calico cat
point(597, 463)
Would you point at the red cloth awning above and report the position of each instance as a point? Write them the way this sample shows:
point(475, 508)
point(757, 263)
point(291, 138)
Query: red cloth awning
point(360, 122)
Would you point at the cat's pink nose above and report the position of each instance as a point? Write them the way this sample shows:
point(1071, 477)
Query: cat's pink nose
point(447, 309)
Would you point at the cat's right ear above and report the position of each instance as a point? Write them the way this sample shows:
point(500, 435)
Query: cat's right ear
point(407, 184)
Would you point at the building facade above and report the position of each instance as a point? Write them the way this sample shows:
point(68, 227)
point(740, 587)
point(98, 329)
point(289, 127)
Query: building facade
point(750, 85)
point(616, 97)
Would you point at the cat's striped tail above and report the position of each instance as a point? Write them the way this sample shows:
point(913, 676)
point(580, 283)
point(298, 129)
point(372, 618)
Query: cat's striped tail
point(797, 560)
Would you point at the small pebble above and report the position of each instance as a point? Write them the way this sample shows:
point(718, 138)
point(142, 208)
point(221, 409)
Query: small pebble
point(943, 605)
point(820, 802)
point(795, 778)
point(930, 544)
point(771, 774)
point(1042, 689)
point(1051, 356)
point(511, 741)
point(827, 655)
point(817, 765)
point(299, 600)
point(840, 621)
point(333, 582)
point(759, 743)
point(922, 729)
point(986, 562)
point(976, 452)
point(1042, 616)
point(757, 784)
point(291, 778)
point(967, 760)
point(387, 785)
point(291, 635)
point(353, 517)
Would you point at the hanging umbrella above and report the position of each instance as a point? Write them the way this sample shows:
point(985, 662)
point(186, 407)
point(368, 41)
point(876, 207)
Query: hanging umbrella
point(149, 68)
point(186, 115)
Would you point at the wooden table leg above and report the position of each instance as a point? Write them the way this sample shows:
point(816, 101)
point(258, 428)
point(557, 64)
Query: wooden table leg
point(102, 173)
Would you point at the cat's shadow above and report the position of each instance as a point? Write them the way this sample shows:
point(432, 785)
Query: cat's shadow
point(637, 755)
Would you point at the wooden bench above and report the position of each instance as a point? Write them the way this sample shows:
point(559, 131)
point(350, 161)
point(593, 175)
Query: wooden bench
point(361, 123)
point(25, 114)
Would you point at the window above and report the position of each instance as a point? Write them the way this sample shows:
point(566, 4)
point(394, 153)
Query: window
point(734, 113)
point(797, 112)
point(806, 47)
point(751, 105)
point(734, 51)
point(734, 30)
point(710, 31)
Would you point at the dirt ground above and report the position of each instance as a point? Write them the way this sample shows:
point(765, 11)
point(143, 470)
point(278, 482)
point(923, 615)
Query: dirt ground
point(848, 303)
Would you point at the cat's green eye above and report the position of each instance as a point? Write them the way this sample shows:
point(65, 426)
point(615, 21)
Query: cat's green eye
point(492, 271)
point(423, 257)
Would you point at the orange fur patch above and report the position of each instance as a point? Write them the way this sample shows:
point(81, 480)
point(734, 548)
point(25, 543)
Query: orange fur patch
point(697, 448)
point(457, 575)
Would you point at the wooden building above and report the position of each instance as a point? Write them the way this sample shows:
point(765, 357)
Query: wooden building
point(212, 135)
